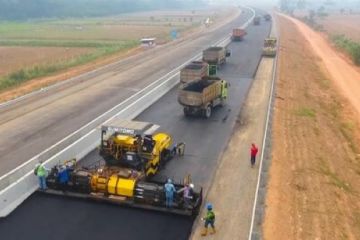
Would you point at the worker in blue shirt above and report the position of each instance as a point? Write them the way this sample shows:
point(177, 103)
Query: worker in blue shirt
point(169, 193)
point(63, 177)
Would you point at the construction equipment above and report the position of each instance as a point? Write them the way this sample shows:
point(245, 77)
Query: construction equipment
point(201, 96)
point(238, 34)
point(267, 17)
point(134, 145)
point(193, 71)
point(257, 20)
point(215, 55)
point(131, 158)
point(269, 48)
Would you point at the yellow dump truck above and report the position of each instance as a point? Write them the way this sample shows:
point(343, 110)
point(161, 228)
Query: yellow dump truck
point(133, 152)
point(193, 71)
point(269, 49)
point(216, 55)
point(201, 96)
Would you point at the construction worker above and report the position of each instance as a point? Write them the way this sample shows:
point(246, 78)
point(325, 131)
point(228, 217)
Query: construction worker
point(253, 152)
point(41, 173)
point(224, 89)
point(63, 177)
point(169, 193)
point(209, 220)
point(187, 193)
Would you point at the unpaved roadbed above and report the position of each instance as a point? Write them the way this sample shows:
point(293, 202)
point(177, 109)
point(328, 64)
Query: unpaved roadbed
point(314, 182)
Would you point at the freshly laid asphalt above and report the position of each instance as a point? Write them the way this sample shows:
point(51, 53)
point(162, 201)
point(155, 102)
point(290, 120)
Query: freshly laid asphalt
point(48, 217)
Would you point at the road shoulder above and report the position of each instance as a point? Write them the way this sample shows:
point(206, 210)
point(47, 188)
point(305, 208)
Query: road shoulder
point(233, 188)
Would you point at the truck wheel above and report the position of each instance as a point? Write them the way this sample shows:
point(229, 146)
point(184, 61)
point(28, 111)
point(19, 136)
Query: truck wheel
point(223, 102)
point(207, 112)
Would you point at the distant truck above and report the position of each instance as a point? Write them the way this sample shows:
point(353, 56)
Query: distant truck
point(201, 96)
point(238, 34)
point(194, 71)
point(267, 17)
point(215, 55)
point(256, 20)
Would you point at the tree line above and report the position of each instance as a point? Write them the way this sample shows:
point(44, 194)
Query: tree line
point(32, 9)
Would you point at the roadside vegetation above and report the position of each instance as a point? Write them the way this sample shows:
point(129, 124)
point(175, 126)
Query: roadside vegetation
point(341, 41)
point(349, 46)
point(99, 36)
point(17, 77)
point(23, 9)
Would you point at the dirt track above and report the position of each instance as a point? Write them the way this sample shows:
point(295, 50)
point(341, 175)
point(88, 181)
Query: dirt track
point(345, 75)
point(343, 24)
point(314, 178)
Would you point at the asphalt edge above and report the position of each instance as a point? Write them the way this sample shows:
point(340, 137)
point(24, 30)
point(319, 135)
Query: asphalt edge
point(255, 231)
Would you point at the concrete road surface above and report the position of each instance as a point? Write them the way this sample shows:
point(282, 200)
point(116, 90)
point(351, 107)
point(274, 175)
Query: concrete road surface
point(32, 125)
point(62, 218)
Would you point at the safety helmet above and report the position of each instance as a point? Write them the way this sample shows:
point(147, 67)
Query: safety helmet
point(169, 180)
point(209, 206)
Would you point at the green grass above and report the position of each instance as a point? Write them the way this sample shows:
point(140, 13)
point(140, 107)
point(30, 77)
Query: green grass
point(88, 28)
point(23, 75)
point(347, 130)
point(306, 112)
point(334, 179)
point(60, 43)
point(350, 46)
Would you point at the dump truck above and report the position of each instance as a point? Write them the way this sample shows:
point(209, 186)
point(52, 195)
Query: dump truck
point(199, 97)
point(133, 153)
point(256, 20)
point(215, 55)
point(193, 71)
point(267, 17)
point(269, 48)
point(238, 34)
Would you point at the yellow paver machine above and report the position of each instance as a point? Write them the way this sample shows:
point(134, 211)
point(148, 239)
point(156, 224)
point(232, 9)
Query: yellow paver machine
point(133, 153)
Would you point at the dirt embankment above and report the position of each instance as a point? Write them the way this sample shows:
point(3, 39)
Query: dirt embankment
point(314, 187)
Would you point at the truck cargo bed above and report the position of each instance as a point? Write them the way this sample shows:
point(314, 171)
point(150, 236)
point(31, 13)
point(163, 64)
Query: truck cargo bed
point(200, 93)
point(194, 71)
point(198, 86)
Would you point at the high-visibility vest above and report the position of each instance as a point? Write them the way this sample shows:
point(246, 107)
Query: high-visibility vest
point(223, 89)
point(210, 215)
point(41, 171)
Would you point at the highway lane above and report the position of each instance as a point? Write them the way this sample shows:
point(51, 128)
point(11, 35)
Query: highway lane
point(31, 126)
point(62, 218)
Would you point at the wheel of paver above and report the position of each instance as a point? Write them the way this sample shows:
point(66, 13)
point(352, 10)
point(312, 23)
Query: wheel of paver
point(207, 112)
